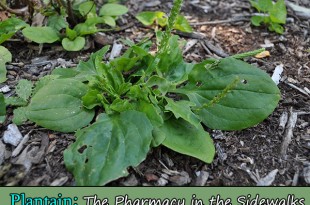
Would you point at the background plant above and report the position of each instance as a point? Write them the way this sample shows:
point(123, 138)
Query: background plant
point(148, 18)
point(73, 39)
point(272, 14)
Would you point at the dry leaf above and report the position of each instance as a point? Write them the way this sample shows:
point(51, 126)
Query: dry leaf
point(263, 54)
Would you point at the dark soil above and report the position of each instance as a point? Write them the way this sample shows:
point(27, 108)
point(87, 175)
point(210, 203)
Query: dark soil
point(243, 157)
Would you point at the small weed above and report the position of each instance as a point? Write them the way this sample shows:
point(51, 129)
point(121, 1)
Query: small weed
point(271, 14)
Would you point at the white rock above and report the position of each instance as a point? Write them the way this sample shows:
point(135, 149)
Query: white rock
point(116, 51)
point(12, 135)
point(277, 74)
point(5, 89)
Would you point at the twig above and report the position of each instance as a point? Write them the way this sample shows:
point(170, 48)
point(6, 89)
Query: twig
point(216, 50)
point(189, 45)
point(194, 35)
point(219, 21)
point(297, 88)
point(12, 11)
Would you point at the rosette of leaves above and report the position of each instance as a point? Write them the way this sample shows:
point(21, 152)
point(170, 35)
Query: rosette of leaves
point(272, 14)
point(144, 101)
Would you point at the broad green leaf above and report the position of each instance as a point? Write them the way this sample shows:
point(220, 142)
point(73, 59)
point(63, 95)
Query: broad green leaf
point(186, 139)
point(109, 21)
point(6, 36)
point(57, 22)
point(172, 65)
point(2, 108)
point(255, 4)
point(11, 24)
point(85, 29)
point(88, 7)
point(112, 10)
point(88, 68)
point(75, 45)
point(278, 12)
point(170, 59)
point(182, 24)
point(276, 27)
point(257, 20)
point(58, 106)
point(158, 83)
point(147, 18)
point(121, 105)
point(182, 109)
point(154, 114)
point(65, 72)
point(19, 116)
point(123, 63)
point(15, 101)
point(41, 34)
point(5, 57)
point(43, 82)
point(24, 89)
point(71, 34)
point(265, 5)
point(90, 99)
point(232, 95)
point(103, 151)
point(111, 78)
point(9, 27)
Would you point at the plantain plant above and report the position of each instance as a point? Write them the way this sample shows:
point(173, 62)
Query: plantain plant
point(144, 101)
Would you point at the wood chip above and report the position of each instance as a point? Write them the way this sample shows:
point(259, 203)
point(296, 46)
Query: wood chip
point(306, 173)
point(295, 178)
point(300, 11)
point(283, 121)
point(268, 180)
point(202, 178)
point(288, 133)
point(217, 50)
point(131, 181)
point(19, 148)
point(152, 3)
point(2, 152)
point(33, 154)
point(59, 182)
point(150, 177)
point(181, 179)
